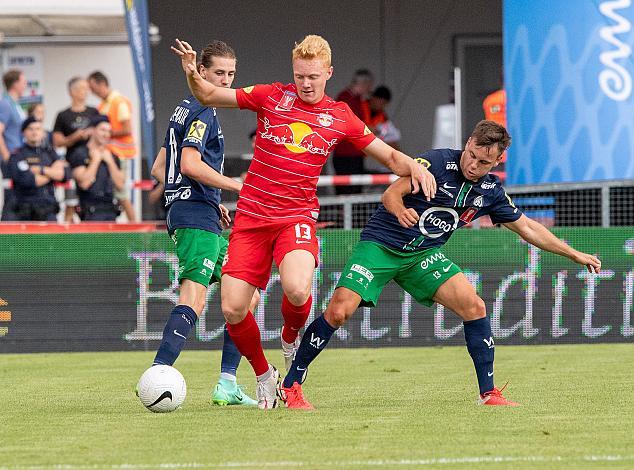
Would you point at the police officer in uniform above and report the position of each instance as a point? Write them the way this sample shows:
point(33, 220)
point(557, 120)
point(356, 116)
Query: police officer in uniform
point(97, 172)
point(34, 168)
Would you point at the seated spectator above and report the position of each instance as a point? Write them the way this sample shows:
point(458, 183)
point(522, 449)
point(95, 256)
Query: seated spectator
point(97, 173)
point(38, 111)
point(34, 167)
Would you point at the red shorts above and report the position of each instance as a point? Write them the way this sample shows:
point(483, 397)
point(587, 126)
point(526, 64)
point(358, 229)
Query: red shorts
point(253, 245)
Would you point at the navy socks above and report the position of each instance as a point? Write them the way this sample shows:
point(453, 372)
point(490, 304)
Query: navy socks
point(481, 348)
point(181, 321)
point(230, 355)
point(315, 339)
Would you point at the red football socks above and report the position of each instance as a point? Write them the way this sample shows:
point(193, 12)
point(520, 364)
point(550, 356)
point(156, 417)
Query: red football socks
point(294, 318)
point(246, 336)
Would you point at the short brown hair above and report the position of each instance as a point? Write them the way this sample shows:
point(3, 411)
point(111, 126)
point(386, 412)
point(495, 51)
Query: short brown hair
point(490, 133)
point(313, 47)
point(215, 49)
point(98, 77)
point(11, 77)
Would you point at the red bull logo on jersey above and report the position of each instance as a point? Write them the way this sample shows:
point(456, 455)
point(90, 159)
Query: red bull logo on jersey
point(297, 137)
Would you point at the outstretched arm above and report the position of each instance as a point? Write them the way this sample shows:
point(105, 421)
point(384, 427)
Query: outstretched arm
point(205, 92)
point(402, 165)
point(536, 234)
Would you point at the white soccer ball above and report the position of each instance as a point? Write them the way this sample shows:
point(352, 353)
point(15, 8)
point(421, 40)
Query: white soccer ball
point(162, 389)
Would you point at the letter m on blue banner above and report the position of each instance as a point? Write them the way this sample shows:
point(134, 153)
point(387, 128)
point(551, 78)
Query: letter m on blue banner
point(568, 75)
point(136, 17)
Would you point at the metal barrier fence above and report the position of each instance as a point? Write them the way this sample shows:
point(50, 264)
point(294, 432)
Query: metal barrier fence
point(592, 204)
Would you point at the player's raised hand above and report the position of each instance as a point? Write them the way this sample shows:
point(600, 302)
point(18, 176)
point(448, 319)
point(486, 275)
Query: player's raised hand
point(187, 55)
point(408, 217)
point(591, 262)
point(422, 180)
point(225, 219)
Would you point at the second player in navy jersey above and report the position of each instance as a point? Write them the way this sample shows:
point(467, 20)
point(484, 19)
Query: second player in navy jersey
point(459, 200)
point(402, 242)
point(190, 165)
point(189, 202)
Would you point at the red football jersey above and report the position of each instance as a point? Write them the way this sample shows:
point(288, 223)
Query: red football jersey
point(292, 144)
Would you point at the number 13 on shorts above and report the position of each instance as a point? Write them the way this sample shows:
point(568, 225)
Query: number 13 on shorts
point(302, 232)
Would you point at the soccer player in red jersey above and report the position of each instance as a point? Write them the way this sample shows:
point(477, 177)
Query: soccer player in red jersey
point(298, 126)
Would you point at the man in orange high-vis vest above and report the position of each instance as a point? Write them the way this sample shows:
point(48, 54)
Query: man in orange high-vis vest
point(119, 111)
point(494, 107)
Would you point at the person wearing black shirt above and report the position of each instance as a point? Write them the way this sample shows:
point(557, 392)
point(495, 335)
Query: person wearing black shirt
point(34, 168)
point(97, 172)
point(72, 130)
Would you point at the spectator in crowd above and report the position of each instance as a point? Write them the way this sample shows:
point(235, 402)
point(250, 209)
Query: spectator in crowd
point(346, 159)
point(37, 111)
point(34, 168)
point(97, 174)
point(11, 117)
point(72, 130)
point(119, 111)
point(494, 106)
point(72, 125)
point(382, 126)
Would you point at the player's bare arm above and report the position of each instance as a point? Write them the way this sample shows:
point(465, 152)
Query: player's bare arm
point(158, 168)
point(206, 93)
point(193, 167)
point(392, 199)
point(538, 235)
point(402, 165)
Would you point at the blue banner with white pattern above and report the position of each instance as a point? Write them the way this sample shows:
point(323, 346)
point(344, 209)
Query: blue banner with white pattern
point(136, 16)
point(568, 74)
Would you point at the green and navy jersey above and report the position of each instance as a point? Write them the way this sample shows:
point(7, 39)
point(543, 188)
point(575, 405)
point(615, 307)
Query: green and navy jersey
point(458, 201)
point(189, 203)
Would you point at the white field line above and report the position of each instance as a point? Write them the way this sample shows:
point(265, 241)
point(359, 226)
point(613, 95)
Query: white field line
point(337, 463)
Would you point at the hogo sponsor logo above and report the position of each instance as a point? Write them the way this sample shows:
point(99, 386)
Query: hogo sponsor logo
point(487, 185)
point(434, 222)
point(297, 137)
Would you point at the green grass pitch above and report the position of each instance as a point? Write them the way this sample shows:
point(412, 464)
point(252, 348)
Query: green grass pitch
point(387, 408)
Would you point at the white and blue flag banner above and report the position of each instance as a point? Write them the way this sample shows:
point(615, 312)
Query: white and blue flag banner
point(568, 74)
point(136, 15)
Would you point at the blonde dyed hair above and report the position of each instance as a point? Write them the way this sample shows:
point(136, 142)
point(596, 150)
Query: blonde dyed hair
point(313, 47)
